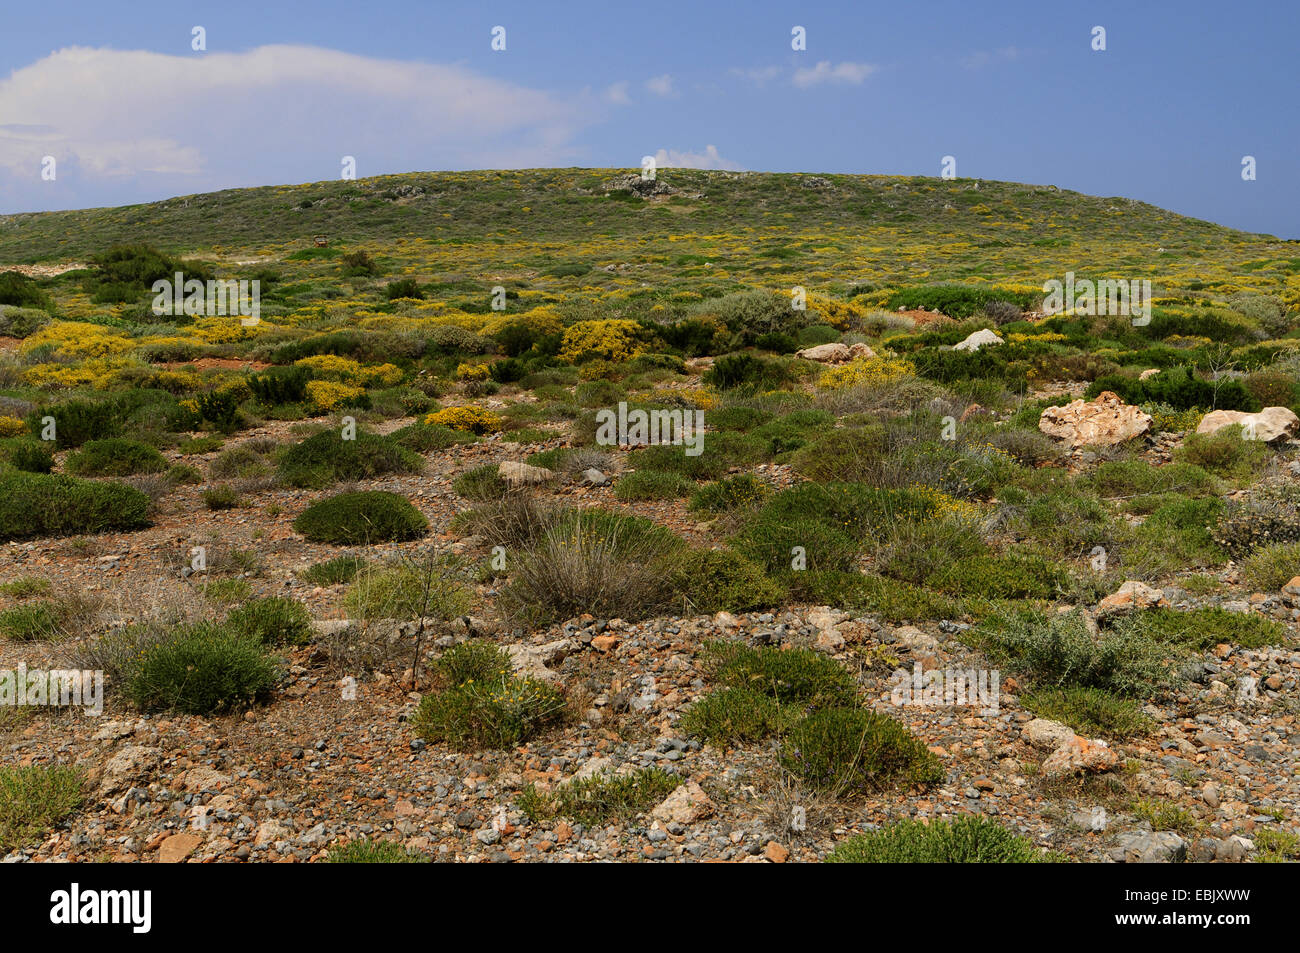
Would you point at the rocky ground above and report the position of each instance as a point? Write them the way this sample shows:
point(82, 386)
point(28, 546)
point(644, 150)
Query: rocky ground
point(323, 764)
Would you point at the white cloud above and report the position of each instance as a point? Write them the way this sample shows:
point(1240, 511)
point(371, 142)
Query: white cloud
point(825, 72)
point(708, 159)
point(616, 93)
point(984, 57)
point(660, 85)
point(759, 76)
point(288, 112)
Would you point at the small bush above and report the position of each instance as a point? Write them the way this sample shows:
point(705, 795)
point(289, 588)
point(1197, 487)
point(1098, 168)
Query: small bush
point(1089, 711)
point(351, 519)
point(223, 497)
point(797, 677)
point(407, 590)
point(326, 458)
point(733, 716)
point(30, 456)
point(966, 840)
point(201, 669)
point(1272, 567)
point(115, 457)
point(422, 437)
point(849, 752)
point(746, 370)
point(717, 580)
point(652, 485)
point(33, 800)
point(473, 420)
point(1266, 518)
point(33, 505)
point(1225, 454)
point(374, 852)
point(498, 713)
point(481, 484)
point(743, 491)
point(274, 620)
point(34, 622)
point(332, 572)
point(1204, 628)
point(607, 798)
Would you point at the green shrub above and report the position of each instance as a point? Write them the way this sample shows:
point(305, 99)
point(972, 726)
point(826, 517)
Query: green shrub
point(955, 300)
point(33, 800)
point(849, 752)
point(274, 620)
point(352, 519)
point(37, 504)
point(115, 457)
point(281, 385)
point(717, 580)
point(798, 677)
point(1272, 567)
point(1011, 576)
point(403, 288)
point(30, 456)
point(497, 713)
point(1177, 387)
point(652, 485)
point(743, 491)
point(966, 840)
point(222, 497)
point(1089, 711)
point(1225, 453)
point(473, 662)
point(606, 797)
point(326, 458)
point(746, 370)
point(482, 484)
point(34, 622)
point(1133, 477)
point(332, 572)
point(421, 437)
point(1057, 651)
point(733, 716)
point(374, 852)
point(1204, 628)
point(201, 669)
point(407, 590)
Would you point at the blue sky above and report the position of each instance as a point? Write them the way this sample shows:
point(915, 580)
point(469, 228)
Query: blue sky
point(1012, 90)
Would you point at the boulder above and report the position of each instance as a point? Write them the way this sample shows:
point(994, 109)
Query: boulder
point(835, 353)
point(1050, 735)
point(1271, 423)
point(686, 805)
point(977, 340)
point(1105, 421)
point(1080, 755)
point(1131, 595)
point(522, 474)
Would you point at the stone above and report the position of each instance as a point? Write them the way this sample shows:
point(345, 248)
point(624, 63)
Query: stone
point(1080, 755)
point(533, 661)
point(1131, 595)
point(1149, 373)
point(176, 848)
point(204, 778)
point(522, 474)
point(835, 353)
point(1105, 421)
point(776, 853)
point(686, 805)
point(593, 477)
point(1270, 424)
point(1049, 735)
point(977, 340)
point(1160, 847)
point(126, 767)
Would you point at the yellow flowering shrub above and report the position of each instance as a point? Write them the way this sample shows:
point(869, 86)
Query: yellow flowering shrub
point(79, 339)
point(11, 426)
point(612, 339)
point(100, 373)
point(381, 375)
point(867, 372)
point(1045, 337)
point(838, 314)
point(332, 366)
point(544, 319)
point(324, 396)
point(226, 329)
point(468, 419)
point(472, 372)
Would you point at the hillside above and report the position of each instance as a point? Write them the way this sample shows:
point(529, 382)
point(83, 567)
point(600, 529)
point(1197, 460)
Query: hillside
point(540, 517)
